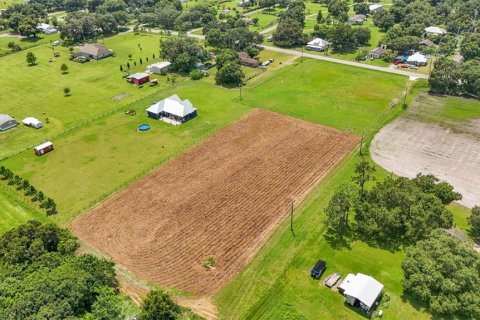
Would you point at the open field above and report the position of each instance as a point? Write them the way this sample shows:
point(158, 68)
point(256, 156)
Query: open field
point(335, 95)
point(96, 87)
point(438, 135)
point(221, 199)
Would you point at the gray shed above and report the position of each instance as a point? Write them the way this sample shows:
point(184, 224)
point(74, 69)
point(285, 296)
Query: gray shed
point(6, 122)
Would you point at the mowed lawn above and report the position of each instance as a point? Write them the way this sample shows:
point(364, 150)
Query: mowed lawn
point(96, 87)
point(335, 95)
point(105, 155)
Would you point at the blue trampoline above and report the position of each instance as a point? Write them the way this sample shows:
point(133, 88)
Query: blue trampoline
point(144, 127)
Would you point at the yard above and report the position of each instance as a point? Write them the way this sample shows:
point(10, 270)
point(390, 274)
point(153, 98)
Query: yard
point(100, 157)
point(96, 87)
point(335, 95)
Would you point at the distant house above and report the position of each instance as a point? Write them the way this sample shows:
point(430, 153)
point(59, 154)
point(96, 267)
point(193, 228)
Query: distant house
point(357, 19)
point(43, 148)
point(95, 51)
point(6, 122)
point(374, 7)
point(159, 67)
point(435, 31)
point(427, 43)
point(172, 110)
point(200, 66)
point(317, 44)
point(361, 291)
point(458, 58)
point(247, 61)
point(46, 28)
point(417, 59)
point(377, 53)
point(245, 3)
point(139, 78)
point(32, 122)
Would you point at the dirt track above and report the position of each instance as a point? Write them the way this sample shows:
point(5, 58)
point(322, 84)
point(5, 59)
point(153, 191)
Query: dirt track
point(408, 146)
point(220, 199)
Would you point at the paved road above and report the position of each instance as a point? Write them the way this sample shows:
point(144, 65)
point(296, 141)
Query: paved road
point(409, 74)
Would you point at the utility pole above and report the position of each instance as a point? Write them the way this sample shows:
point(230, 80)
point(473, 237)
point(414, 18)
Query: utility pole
point(291, 217)
point(240, 85)
point(361, 143)
point(301, 59)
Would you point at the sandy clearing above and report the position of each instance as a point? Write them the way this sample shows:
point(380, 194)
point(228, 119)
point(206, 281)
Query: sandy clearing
point(408, 146)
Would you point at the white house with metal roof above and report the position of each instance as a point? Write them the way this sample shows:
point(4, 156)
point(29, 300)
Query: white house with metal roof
point(435, 30)
point(317, 44)
point(361, 291)
point(172, 110)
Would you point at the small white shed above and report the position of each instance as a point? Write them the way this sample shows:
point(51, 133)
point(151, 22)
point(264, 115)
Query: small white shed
point(32, 122)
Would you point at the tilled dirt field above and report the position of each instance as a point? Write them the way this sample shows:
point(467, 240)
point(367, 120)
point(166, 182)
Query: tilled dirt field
point(220, 199)
point(409, 146)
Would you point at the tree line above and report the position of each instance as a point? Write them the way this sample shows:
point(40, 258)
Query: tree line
point(28, 190)
point(41, 277)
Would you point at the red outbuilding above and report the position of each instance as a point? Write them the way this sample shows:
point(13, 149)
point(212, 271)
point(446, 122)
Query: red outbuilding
point(139, 78)
point(43, 148)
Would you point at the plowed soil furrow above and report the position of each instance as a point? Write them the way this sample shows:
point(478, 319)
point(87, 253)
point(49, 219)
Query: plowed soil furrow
point(221, 199)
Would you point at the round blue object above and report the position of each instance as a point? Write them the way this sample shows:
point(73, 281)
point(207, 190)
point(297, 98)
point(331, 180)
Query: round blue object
point(144, 127)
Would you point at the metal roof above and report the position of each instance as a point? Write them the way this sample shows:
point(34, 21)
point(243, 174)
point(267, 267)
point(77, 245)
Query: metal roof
point(173, 105)
point(362, 287)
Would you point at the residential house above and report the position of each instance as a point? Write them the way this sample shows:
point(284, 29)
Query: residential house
point(417, 59)
point(374, 7)
point(172, 110)
point(46, 28)
point(247, 61)
point(427, 43)
point(357, 19)
point(377, 53)
point(95, 51)
point(318, 44)
point(245, 3)
point(435, 31)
